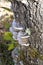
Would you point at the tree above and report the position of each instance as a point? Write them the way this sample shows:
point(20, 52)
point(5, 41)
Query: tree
point(29, 16)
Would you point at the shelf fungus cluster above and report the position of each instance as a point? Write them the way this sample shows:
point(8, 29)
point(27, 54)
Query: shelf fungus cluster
point(19, 33)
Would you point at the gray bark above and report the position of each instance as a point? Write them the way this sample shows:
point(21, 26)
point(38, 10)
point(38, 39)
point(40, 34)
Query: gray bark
point(31, 17)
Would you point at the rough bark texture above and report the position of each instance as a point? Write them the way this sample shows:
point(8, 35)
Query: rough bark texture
point(31, 17)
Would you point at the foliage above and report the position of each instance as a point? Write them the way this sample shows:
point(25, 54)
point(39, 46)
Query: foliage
point(12, 45)
point(7, 9)
point(10, 0)
point(6, 58)
point(7, 36)
point(6, 40)
point(6, 49)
